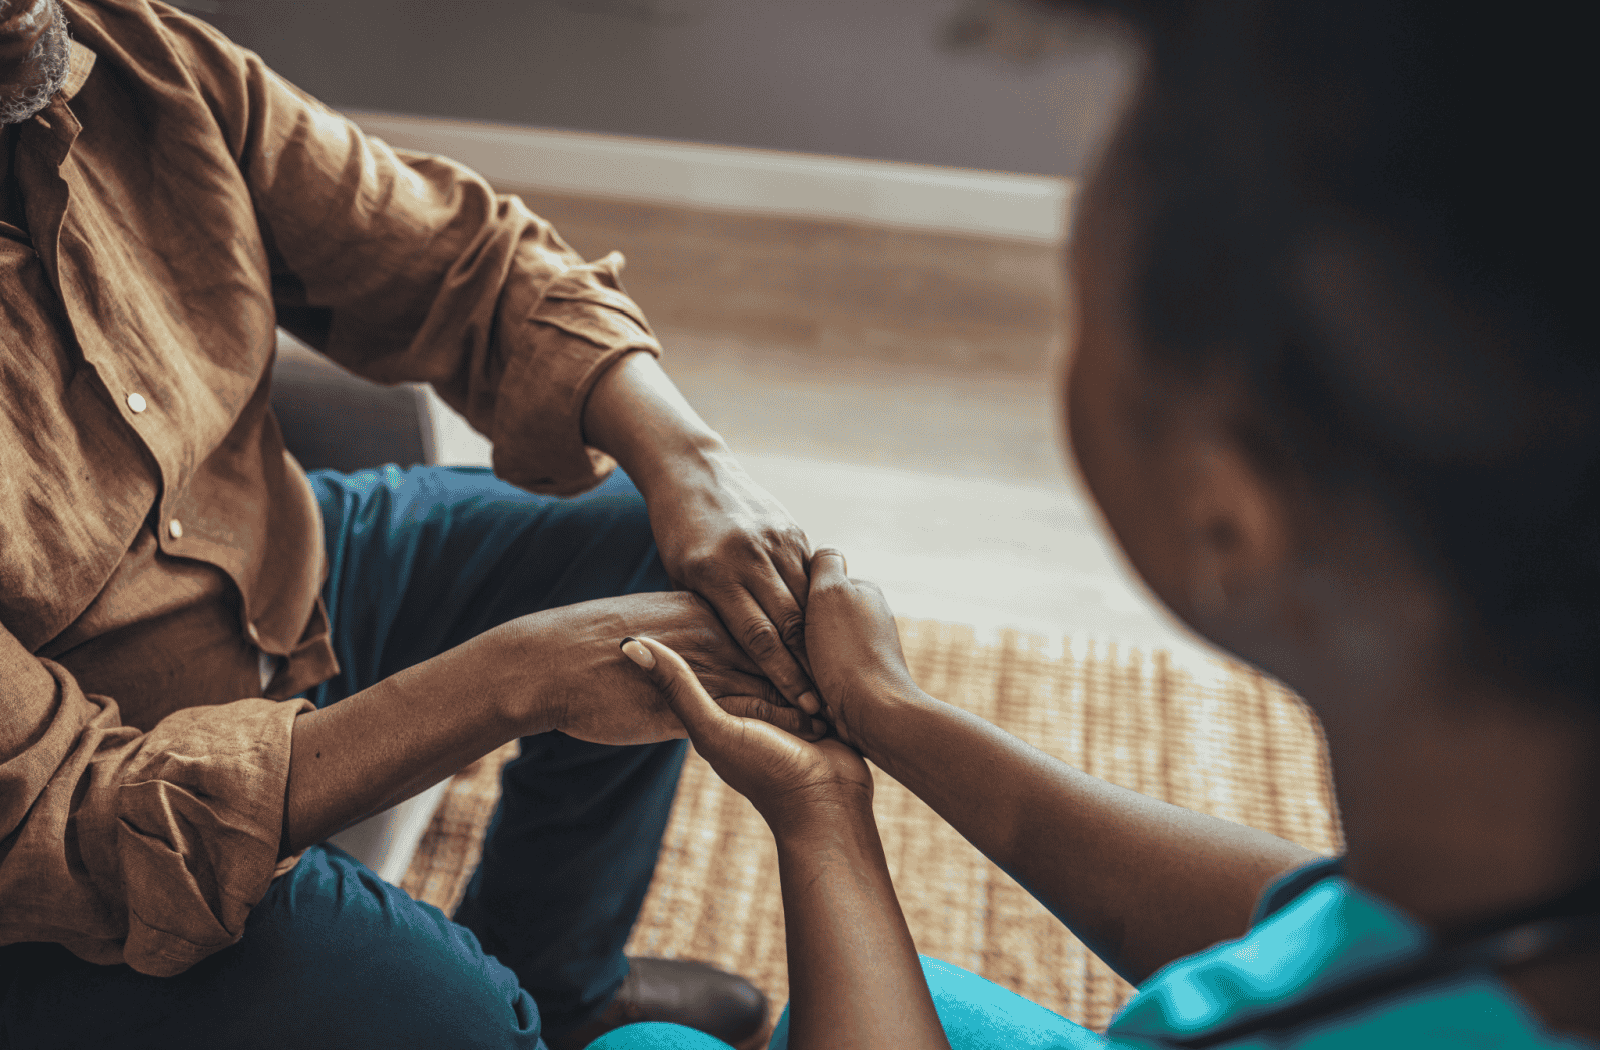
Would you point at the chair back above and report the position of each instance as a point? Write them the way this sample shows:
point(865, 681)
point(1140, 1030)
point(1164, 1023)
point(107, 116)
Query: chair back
point(332, 418)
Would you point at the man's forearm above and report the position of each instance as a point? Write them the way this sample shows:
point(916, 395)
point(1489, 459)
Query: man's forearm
point(854, 976)
point(1139, 881)
point(396, 739)
point(636, 415)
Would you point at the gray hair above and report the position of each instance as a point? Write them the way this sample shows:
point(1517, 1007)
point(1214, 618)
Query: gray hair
point(42, 74)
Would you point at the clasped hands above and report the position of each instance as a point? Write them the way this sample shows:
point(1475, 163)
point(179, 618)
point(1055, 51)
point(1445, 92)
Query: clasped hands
point(738, 655)
point(854, 651)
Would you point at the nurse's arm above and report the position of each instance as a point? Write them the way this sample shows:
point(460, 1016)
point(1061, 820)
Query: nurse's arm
point(1140, 881)
point(854, 976)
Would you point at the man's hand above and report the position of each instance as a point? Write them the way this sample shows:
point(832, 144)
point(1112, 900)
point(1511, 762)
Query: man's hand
point(724, 537)
point(589, 690)
point(559, 669)
point(719, 533)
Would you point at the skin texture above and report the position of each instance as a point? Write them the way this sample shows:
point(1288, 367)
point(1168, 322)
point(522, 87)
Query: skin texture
point(1141, 881)
point(1461, 799)
point(719, 534)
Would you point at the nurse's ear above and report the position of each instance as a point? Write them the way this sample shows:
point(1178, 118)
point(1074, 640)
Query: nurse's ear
point(1301, 578)
point(1239, 522)
point(1236, 522)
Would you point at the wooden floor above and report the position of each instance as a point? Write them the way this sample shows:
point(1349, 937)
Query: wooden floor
point(829, 291)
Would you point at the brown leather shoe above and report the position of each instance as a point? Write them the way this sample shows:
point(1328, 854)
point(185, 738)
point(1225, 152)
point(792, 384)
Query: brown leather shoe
point(679, 991)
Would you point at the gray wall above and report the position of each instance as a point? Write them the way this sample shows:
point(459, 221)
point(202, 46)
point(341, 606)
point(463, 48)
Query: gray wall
point(864, 78)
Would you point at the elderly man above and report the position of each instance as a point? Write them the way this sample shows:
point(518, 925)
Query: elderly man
point(210, 661)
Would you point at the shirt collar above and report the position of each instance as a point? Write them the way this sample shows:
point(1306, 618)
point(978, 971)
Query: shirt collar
point(78, 67)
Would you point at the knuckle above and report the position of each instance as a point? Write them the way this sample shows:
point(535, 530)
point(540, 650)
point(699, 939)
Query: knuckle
point(693, 560)
point(785, 718)
point(785, 538)
point(708, 564)
point(793, 627)
point(743, 541)
point(761, 638)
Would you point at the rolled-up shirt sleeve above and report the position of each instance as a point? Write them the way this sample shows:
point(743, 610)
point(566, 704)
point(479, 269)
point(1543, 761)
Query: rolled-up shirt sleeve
point(405, 266)
point(142, 848)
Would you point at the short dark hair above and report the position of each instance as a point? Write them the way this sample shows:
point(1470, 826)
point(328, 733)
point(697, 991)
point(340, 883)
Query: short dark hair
point(1461, 137)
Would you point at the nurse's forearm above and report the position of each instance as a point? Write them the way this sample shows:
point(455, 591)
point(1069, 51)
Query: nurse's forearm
point(381, 746)
point(854, 976)
point(1139, 881)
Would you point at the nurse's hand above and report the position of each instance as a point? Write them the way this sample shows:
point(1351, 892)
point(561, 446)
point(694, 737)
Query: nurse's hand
point(791, 782)
point(854, 650)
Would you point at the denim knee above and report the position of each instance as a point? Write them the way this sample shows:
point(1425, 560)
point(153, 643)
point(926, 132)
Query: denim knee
point(626, 526)
point(345, 959)
point(331, 956)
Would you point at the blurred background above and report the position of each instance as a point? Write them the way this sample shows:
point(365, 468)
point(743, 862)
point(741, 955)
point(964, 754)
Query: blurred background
point(845, 219)
point(855, 78)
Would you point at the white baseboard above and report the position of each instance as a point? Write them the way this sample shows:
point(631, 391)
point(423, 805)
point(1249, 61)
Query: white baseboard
point(1030, 208)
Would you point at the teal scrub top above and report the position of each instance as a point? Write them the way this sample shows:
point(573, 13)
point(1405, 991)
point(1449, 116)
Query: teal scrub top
point(1326, 933)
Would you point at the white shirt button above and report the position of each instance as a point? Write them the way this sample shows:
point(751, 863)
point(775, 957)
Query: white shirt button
point(175, 529)
point(137, 402)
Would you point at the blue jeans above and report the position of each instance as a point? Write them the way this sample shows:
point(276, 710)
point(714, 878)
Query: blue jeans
point(420, 561)
point(976, 1014)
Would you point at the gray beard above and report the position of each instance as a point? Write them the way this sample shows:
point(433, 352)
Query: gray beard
point(43, 72)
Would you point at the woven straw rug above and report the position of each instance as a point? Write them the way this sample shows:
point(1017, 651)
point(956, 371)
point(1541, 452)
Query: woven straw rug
point(1239, 747)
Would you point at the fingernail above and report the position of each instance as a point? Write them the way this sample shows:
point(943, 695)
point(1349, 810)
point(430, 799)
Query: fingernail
point(633, 650)
point(809, 703)
point(819, 727)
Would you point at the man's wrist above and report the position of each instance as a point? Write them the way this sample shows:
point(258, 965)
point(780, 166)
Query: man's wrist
point(680, 459)
point(526, 646)
point(638, 417)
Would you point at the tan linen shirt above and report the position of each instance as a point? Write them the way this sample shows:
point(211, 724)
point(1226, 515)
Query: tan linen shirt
point(168, 207)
